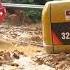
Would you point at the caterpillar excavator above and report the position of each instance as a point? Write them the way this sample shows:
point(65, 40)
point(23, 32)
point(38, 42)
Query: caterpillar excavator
point(56, 26)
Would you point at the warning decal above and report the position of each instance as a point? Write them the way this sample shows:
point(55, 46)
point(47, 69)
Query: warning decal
point(61, 33)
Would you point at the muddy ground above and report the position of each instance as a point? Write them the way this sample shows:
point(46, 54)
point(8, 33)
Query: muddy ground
point(21, 48)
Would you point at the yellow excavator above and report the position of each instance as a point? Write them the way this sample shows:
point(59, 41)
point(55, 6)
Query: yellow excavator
point(56, 26)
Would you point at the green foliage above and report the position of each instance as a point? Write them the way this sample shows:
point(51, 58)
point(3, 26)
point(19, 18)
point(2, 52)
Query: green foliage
point(34, 14)
point(19, 1)
point(27, 1)
point(40, 2)
point(5, 1)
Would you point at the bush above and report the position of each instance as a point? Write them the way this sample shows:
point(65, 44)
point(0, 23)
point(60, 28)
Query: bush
point(34, 14)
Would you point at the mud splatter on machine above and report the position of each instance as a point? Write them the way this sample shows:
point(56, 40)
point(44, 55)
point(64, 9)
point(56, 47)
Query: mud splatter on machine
point(56, 26)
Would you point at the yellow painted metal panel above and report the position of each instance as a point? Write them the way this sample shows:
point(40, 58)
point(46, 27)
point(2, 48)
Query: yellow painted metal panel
point(61, 48)
point(46, 25)
point(58, 12)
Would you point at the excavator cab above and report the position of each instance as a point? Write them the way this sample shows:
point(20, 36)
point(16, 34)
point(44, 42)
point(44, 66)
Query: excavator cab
point(56, 26)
